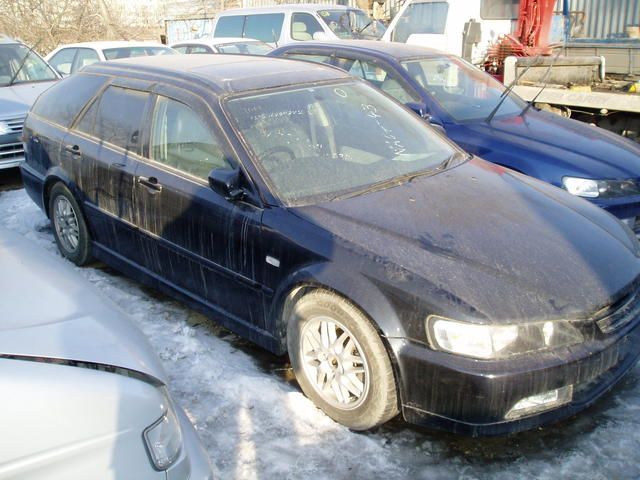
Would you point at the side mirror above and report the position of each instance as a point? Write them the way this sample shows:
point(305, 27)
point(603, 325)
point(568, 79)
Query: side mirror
point(226, 182)
point(420, 109)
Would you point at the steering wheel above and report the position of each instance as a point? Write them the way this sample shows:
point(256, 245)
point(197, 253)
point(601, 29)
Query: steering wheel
point(270, 154)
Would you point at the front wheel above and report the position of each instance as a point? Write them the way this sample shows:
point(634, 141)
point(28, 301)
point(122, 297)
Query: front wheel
point(340, 361)
point(69, 227)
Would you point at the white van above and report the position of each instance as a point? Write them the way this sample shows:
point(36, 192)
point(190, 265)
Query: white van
point(297, 23)
point(444, 24)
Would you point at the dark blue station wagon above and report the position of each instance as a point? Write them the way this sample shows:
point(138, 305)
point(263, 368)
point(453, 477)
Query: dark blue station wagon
point(309, 212)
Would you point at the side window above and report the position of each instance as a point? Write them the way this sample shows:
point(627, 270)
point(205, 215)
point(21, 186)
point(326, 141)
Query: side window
point(64, 100)
point(310, 57)
point(180, 139)
point(199, 49)
point(303, 26)
point(63, 61)
point(87, 123)
point(181, 48)
point(383, 78)
point(119, 117)
point(499, 9)
point(265, 27)
point(229, 26)
point(85, 56)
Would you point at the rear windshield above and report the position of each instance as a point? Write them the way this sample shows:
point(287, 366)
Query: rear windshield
point(246, 48)
point(126, 52)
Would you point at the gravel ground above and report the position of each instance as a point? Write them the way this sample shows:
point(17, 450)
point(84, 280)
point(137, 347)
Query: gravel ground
point(256, 424)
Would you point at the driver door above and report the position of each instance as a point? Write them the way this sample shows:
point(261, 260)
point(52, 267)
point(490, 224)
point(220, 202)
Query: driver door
point(191, 237)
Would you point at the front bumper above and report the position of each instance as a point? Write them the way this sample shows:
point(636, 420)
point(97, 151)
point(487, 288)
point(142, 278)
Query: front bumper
point(11, 150)
point(468, 396)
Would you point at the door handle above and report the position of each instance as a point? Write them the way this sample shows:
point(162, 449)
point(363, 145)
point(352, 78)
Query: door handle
point(119, 166)
point(73, 149)
point(151, 183)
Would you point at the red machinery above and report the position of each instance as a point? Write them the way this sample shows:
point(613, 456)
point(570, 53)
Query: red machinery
point(529, 39)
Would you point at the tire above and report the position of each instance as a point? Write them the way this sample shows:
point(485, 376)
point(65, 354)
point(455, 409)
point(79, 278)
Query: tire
point(359, 386)
point(69, 227)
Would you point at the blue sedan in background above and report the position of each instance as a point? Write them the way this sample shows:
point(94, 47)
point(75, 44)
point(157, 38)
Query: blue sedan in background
point(486, 119)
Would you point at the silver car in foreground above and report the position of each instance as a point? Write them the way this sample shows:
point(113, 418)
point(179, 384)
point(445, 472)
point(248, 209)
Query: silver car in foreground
point(82, 395)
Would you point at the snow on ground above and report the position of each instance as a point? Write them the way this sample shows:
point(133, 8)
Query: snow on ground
point(256, 424)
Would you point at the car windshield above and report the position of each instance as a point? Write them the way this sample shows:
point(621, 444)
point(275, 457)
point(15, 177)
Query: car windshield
point(19, 64)
point(140, 51)
point(462, 90)
point(246, 48)
point(352, 23)
point(314, 144)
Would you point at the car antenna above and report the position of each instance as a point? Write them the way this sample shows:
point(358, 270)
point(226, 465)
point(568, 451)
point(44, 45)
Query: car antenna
point(545, 80)
point(507, 91)
point(22, 62)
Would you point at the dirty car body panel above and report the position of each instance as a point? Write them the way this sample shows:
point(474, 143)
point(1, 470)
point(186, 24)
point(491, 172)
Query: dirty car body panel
point(468, 240)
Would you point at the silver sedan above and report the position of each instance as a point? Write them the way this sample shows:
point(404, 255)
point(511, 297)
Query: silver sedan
point(82, 395)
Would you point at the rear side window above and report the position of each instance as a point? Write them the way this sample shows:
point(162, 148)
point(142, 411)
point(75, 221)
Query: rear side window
point(310, 57)
point(119, 117)
point(64, 100)
point(265, 27)
point(230, 26)
point(63, 61)
point(86, 56)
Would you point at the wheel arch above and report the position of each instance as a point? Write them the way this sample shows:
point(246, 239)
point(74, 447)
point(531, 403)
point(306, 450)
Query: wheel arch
point(56, 175)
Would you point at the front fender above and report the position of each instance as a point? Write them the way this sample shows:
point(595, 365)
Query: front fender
point(353, 286)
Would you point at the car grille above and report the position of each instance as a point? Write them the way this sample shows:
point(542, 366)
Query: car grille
point(14, 124)
point(11, 151)
point(620, 313)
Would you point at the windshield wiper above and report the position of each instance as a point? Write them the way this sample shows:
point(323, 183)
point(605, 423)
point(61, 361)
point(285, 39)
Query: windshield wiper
point(397, 180)
point(506, 93)
point(545, 79)
point(22, 62)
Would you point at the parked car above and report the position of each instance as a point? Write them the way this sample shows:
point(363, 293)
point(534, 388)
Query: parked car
point(68, 59)
point(309, 212)
point(285, 24)
point(481, 116)
point(85, 396)
point(238, 46)
point(23, 76)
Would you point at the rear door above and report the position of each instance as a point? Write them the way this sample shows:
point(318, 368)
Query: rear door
point(107, 136)
point(192, 237)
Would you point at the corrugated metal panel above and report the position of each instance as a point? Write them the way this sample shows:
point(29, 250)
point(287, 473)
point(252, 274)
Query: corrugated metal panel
point(602, 19)
point(271, 3)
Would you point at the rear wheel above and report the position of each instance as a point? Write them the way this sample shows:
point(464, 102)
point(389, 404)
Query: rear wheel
point(69, 227)
point(340, 361)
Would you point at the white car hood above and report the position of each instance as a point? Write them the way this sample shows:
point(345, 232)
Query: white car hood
point(49, 310)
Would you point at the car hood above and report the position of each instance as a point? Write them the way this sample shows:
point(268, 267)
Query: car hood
point(572, 146)
point(501, 245)
point(52, 312)
point(16, 100)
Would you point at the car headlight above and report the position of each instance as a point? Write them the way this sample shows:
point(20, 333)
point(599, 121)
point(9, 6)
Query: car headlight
point(164, 439)
point(4, 128)
point(499, 341)
point(585, 187)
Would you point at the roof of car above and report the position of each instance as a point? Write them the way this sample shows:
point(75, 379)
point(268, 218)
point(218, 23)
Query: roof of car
point(296, 7)
point(7, 40)
point(394, 49)
point(222, 73)
point(215, 41)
